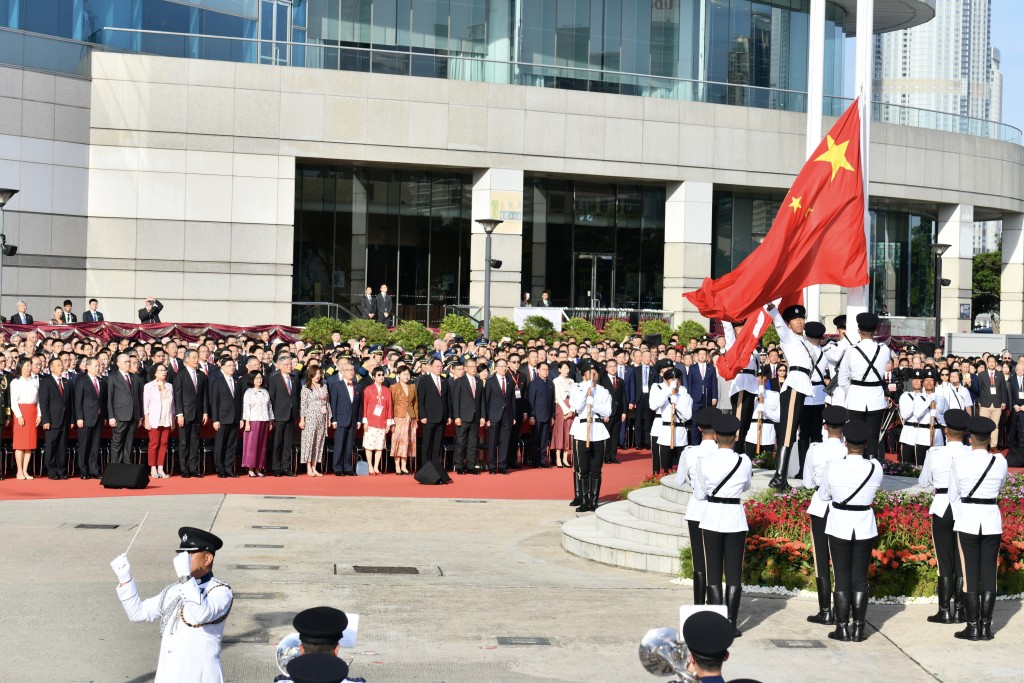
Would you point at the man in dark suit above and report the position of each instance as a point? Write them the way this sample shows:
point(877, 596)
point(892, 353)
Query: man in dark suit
point(92, 315)
point(150, 313)
point(284, 398)
point(611, 381)
point(368, 305)
point(468, 411)
point(346, 398)
point(21, 317)
point(56, 410)
point(520, 392)
point(500, 410)
point(226, 413)
point(385, 307)
point(124, 409)
point(625, 374)
point(644, 378)
point(432, 394)
point(90, 404)
point(542, 410)
point(993, 397)
point(1015, 428)
point(702, 386)
point(190, 404)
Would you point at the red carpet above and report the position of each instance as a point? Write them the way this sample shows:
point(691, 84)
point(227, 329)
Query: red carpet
point(528, 484)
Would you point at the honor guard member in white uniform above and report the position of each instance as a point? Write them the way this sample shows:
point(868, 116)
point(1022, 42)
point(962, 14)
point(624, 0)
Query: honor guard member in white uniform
point(796, 388)
point(930, 432)
point(850, 485)
point(975, 480)
point(320, 629)
point(937, 464)
point(592, 405)
point(764, 417)
point(688, 461)
point(657, 370)
point(818, 456)
point(862, 378)
point(672, 411)
point(835, 351)
point(913, 409)
point(317, 668)
point(810, 416)
point(720, 479)
point(957, 396)
point(744, 385)
point(191, 610)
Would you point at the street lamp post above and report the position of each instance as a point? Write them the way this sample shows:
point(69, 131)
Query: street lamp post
point(938, 250)
point(488, 224)
point(5, 196)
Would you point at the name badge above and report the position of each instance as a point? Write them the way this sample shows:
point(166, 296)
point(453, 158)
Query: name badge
point(992, 390)
point(519, 394)
point(378, 411)
point(645, 389)
point(892, 387)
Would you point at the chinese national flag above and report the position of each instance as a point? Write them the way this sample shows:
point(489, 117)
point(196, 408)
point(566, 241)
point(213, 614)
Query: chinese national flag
point(736, 358)
point(817, 237)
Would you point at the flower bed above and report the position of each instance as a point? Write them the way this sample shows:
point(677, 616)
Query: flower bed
point(778, 546)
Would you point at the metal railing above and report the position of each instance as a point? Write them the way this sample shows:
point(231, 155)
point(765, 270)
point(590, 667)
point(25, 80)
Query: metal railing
point(304, 311)
point(478, 69)
point(39, 52)
point(634, 316)
point(474, 313)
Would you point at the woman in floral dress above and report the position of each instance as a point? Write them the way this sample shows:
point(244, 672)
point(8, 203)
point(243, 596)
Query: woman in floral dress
point(403, 439)
point(314, 416)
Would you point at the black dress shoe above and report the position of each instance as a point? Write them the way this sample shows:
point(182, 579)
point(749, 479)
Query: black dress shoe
point(492, 471)
point(54, 477)
point(221, 475)
point(278, 474)
point(186, 475)
point(233, 475)
point(84, 477)
point(63, 476)
point(289, 474)
point(459, 470)
point(339, 474)
point(502, 471)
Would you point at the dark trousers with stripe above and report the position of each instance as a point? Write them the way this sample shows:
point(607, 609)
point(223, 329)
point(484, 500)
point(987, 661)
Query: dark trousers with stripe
point(947, 557)
point(810, 430)
point(696, 546)
point(792, 403)
point(819, 542)
point(723, 552)
point(743, 408)
point(850, 559)
point(873, 419)
point(978, 554)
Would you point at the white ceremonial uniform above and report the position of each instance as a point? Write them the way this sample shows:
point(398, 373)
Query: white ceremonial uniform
point(861, 379)
point(840, 479)
point(965, 472)
point(602, 410)
point(798, 355)
point(913, 409)
point(925, 422)
point(957, 397)
point(711, 470)
point(662, 402)
point(937, 465)
point(693, 455)
point(767, 402)
point(746, 380)
point(818, 368)
point(192, 617)
point(818, 456)
point(835, 351)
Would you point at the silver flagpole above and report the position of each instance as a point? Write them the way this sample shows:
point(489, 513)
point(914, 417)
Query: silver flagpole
point(857, 298)
point(815, 96)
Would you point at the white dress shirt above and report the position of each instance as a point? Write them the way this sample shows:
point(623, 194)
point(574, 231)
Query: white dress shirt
point(966, 471)
point(840, 479)
point(818, 456)
point(835, 351)
point(23, 392)
point(663, 403)
point(712, 470)
point(855, 368)
point(914, 408)
point(937, 465)
point(939, 414)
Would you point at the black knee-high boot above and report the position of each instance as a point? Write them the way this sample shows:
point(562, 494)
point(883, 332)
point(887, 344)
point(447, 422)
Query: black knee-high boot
point(700, 588)
point(842, 615)
point(714, 594)
point(824, 615)
point(945, 591)
point(732, 606)
point(972, 606)
point(988, 603)
point(958, 600)
point(859, 602)
point(780, 481)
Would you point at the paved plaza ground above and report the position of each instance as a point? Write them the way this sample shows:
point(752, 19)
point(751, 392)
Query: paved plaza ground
point(488, 569)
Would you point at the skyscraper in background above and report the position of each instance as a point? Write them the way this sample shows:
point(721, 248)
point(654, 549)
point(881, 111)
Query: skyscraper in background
point(947, 65)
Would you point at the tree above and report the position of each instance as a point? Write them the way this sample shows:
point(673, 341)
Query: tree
point(986, 282)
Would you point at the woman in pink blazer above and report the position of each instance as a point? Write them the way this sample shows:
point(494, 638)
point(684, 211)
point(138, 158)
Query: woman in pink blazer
point(158, 408)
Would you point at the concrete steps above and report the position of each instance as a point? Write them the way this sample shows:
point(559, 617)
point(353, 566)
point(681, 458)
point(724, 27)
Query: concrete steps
point(581, 537)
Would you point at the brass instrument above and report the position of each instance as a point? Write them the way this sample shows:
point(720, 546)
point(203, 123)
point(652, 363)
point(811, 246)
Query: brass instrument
point(590, 412)
point(663, 653)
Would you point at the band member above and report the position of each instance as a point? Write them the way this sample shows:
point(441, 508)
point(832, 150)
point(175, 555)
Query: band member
point(720, 478)
point(818, 456)
point(672, 408)
point(192, 610)
point(850, 484)
point(937, 465)
point(810, 416)
point(796, 388)
point(862, 378)
point(913, 409)
point(835, 351)
point(975, 480)
point(930, 432)
point(685, 474)
point(760, 434)
point(744, 385)
point(593, 406)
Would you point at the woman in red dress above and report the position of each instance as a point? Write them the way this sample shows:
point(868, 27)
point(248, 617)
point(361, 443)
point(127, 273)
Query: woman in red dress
point(25, 411)
point(378, 418)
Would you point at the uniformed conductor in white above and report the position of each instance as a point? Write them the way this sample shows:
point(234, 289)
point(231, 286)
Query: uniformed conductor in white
point(192, 610)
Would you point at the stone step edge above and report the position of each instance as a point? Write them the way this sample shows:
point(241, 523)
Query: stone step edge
point(584, 529)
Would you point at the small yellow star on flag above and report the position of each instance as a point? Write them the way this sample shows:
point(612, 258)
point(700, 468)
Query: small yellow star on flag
point(836, 155)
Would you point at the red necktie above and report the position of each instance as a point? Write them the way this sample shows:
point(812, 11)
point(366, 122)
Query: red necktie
point(437, 381)
point(288, 382)
point(613, 382)
point(502, 380)
point(126, 379)
point(60, 386)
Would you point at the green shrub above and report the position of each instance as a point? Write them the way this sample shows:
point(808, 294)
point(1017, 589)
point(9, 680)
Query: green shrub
point(659, 327)
point(503, 327)
point(690, 329)
point(375, 332)
point(459, 325)
point(539, 324)
point(770, 336)
point(409, 334)
point(617, 329)
point(580, 328)
point(319, 330)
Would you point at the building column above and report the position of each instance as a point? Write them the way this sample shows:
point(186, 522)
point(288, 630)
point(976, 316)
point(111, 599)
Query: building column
point(956, 228)
point(1011, 299)
point(497, 193)
point(688, 251)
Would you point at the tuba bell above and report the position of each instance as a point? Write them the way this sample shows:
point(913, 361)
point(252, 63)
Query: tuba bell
point(662, 653)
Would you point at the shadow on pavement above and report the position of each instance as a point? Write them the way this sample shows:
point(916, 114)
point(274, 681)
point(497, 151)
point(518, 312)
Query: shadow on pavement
point(756, 610)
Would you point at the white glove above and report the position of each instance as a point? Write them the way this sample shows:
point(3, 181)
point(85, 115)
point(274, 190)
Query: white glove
point(934, 413)
point(121, 568)
point(182, 565)
point(758, 411)
point(673, 397)
point(760, 390)
point(590, 400)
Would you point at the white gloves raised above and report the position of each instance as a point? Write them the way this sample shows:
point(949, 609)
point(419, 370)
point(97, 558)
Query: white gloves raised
point(590, 400)
point(182, 565)
point(122, 568)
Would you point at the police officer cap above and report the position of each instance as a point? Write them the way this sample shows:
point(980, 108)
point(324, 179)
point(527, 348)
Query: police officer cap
point(957, 419)
point(585, 365)
point(194, 540)
point(482, 341)
point(672, 372)
point(726, 424)
point(794, 312)
point(662, 365)
point(981, 426)
point(320, 625)
point(708, 634)
point(929, 373)
point(840, 322)
point(917, 374)
point(836, 416)
point(317, 668)
point(706, 417)
point(377, 348)
point(814, 330)
point(856, 432)
point(867, 322)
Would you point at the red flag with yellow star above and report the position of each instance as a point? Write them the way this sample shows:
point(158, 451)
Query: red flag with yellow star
point(817, 237)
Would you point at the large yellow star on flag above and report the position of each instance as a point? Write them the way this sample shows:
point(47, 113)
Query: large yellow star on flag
point(795, 204)
point(836, 155)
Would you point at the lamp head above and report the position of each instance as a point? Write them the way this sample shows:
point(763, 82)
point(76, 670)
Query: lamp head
point(5, 195)
point(489, 224)
point(940, 249)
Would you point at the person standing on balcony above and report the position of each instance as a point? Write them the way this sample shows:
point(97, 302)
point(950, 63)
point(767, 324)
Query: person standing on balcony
point(385, 307)
point(368, 305)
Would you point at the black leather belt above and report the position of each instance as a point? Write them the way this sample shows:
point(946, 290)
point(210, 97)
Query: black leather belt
point(914, 424)
point(723, 501)
point(861, 383)
point(817, 384)
point(938, 491)
point(980, 501)
point(851, 508)
point(795, 368)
